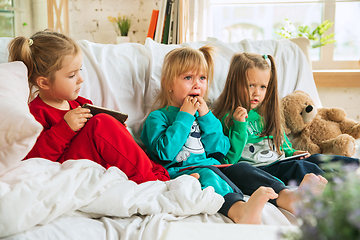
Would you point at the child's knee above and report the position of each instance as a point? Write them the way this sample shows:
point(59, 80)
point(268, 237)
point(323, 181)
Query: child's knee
point(106, 121)
point(209, 178)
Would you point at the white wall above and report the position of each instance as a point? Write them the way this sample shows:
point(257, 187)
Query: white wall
point(88, 19)
point(346, 98)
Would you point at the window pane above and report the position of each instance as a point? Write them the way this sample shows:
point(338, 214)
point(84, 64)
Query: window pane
point(6, 19)
point(347, 31)
point(235, 22)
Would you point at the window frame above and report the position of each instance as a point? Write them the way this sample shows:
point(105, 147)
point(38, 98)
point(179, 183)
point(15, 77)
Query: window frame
point(10, 13)
point(33, 13)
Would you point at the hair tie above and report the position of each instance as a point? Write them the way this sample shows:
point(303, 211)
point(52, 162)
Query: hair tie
point(265, 57)
point(30, 42)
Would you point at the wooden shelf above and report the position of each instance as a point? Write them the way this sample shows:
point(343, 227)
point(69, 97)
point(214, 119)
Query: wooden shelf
point(337, 79)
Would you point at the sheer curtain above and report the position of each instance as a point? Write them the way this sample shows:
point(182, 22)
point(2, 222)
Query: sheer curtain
point(192, 16)
point(198, 20)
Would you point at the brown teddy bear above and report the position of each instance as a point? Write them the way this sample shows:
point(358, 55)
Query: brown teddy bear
point(323, 130)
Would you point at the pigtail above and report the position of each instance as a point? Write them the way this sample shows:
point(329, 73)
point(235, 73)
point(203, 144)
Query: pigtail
point(270, 109)
point(19, 50)
point(208, 51)
point(43, 54)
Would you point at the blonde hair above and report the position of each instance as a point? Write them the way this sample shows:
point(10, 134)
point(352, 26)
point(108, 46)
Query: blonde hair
point(236, 93)
point(43, 54)
point(179, 61)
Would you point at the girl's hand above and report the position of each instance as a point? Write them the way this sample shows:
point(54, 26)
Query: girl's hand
point(76, 118)
point(203, 108)
point(240, 114)
point(300, 152)
point(190, 105)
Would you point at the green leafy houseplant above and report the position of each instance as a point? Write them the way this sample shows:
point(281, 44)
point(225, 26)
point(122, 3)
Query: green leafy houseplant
point(317, 35)
point(121, 23)
point(334, 215)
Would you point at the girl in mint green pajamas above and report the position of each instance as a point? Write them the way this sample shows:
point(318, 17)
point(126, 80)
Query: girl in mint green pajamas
point(249, 111)
point(185, 137)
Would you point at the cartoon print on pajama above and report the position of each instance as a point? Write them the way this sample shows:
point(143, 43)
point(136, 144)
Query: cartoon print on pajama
point(193, 144)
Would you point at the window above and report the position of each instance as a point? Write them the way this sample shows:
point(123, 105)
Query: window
point(22, 18)
point(6, 19)
point(235, 20)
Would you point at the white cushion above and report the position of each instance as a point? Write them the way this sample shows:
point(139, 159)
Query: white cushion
point(18, 128)
point(4, 53)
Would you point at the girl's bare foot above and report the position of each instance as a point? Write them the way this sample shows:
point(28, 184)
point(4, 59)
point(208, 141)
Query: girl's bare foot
point(195, 175)
point(311, 183)
point(250, 212)
point(314, 183)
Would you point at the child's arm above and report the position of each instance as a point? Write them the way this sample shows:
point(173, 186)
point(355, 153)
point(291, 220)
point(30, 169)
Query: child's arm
point(287, 147)
point(76, 118)
point(238, 138)
point(203, 108)
point(164, 138)
point(53, 140)
point(56, 135)
point(301, 152)
point(237, 134)
point(216, 144)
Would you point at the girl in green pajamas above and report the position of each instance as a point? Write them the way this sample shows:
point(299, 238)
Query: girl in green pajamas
point(186, 138)
point(250, 114)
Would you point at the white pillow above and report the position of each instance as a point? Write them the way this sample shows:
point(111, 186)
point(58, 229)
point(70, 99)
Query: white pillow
point(4, 42)
point(18, 128)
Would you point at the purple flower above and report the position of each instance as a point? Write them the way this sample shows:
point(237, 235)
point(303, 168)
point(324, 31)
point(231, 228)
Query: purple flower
point(354, 218)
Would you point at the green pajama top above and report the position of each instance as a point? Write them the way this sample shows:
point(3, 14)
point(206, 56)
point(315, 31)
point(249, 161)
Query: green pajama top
point(246, 145)
point(179, 140)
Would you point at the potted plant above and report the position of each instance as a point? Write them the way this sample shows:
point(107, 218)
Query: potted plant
point(317, 35)
point(122, 25)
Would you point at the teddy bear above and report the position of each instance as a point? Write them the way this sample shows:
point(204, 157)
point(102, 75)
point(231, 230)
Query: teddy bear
point(323, 130)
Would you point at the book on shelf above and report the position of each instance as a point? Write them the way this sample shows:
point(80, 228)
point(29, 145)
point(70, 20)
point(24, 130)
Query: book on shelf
point(153, 23)
point(167, 26)
point(160, 22)
point(174, 24)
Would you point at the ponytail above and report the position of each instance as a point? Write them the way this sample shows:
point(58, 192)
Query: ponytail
point(19, 50)
point(208, 51)
point(270, 109)
point(43, 54)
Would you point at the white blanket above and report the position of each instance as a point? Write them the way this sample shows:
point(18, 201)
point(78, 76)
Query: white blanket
point(79, 199)
point(38, 191)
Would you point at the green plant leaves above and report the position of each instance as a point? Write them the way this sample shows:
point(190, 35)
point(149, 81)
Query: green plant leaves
point(317, 35)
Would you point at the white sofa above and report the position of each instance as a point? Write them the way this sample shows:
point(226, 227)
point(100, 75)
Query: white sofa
point(40, 199)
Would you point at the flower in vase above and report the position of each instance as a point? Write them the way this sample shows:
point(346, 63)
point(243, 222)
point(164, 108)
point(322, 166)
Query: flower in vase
point(121, 24)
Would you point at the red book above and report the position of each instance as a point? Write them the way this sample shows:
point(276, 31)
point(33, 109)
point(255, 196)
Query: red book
point(153, 22)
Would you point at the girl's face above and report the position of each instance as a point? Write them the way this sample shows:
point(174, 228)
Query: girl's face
point(191, 83)
point(258, 83)
point(68, 80)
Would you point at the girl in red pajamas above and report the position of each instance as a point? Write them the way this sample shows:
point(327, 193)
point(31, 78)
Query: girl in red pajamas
point(70, 132)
